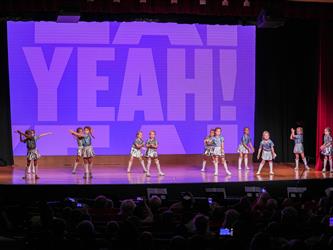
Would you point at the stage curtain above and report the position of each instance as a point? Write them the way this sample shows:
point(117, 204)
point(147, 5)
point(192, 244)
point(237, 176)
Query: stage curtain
point(325, 85)
point(6, 152)
point(286, 83)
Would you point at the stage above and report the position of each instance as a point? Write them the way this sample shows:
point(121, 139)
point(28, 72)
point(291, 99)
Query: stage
point(174, 174)
point(57, 181)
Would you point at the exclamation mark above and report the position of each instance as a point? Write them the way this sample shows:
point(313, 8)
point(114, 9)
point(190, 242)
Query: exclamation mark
point(228, 71)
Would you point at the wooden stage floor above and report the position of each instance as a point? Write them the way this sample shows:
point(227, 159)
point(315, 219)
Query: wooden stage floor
point(174, 174)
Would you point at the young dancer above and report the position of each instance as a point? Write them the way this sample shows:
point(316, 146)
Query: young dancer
point(136, 152)
point(30, 138)
point(244, 149)
point(268, 153)
point(151, 153)
point(218, 144)
point(298, 148)
point(326, 149)
point(208, 142)
point(79, 140)
point(87, 152)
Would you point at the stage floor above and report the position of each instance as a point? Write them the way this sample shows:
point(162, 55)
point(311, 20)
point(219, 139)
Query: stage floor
point(174, 174)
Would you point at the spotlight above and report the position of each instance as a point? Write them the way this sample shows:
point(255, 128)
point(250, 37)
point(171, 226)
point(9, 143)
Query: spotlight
point(174, 1)
point(143, 1)
point(246, 3)
point(116, 1)
point(225, 3)
point(202, 2)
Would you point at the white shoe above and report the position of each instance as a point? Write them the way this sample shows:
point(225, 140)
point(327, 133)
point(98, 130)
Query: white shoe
point(148, 174)
point(258, 173)
point(161, 174)
point(307, 167)
point(239, 168)
point(324, 170)
point(228, 172)
point(271, 173)
point(203, 170)
point(247, 168)
point(216, 174)
point(128, 171)
point(296, 168)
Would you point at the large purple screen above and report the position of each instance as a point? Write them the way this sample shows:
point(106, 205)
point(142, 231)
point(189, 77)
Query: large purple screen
point(178, 79)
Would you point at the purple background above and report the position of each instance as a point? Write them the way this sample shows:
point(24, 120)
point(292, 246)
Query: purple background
point(177, 79)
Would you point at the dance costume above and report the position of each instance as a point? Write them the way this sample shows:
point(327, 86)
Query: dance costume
point(246, 140)
point(32, 154)
point(209, 148)
point(79, 141)
point(267, 155)
point(298, 148)
point(219, 152)
point(217, 146)
point(88, 151)
point(79, 146)
point(266, 146)
point(136, 152)
point(327, 151)
point(151, 152)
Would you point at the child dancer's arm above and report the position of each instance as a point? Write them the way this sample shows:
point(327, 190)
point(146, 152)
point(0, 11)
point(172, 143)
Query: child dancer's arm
point(273, 152)
point(138, 146)
point(292, 134)
point(21, 133)
point(91, 133)
point(327, 144)
point(251, 146)
point(45, 134)
point(246, 146)
point(75, 134)
point(259, 152)
point(222, 147)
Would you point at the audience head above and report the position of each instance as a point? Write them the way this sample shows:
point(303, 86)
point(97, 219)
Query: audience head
point(155, 202)
point(201, 224)
point(127, 207)
point(86, 230)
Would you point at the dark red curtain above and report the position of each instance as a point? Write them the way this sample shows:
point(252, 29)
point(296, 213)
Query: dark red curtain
point(325, 85)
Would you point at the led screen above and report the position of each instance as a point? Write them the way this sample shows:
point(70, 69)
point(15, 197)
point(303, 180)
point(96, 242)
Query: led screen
point(120, 77)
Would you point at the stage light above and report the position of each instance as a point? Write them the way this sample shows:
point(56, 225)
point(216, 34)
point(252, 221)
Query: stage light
point(202, 2)
point(295, 192)
point(254, 192)
point(160, 192)
point(246, 3)
point(225, 3)
point(116, 1)
point(174, 1)
point(143, 1)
